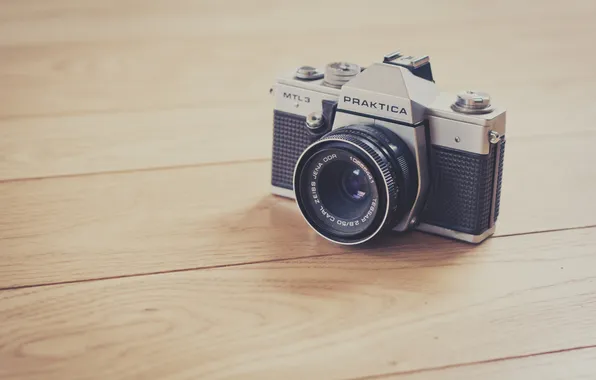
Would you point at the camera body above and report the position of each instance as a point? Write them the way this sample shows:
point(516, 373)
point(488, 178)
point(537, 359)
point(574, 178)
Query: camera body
point(412, 157)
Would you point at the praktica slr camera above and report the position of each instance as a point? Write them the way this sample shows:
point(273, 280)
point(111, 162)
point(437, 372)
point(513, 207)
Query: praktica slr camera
point(377, 148)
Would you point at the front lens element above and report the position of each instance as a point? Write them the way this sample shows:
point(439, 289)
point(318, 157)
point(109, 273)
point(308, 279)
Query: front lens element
point(354, 184)
point(340, 191)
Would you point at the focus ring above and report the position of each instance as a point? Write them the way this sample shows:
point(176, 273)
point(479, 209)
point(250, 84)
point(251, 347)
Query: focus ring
point(383, 163)
point(403, 164)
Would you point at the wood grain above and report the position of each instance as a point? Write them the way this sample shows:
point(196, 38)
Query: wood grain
point(145, 75)
point(384, 310)
point(121, 224)
point(138, 239)
point(174, 77)
point(92, 143)
point(567, 365)
point(124, 141)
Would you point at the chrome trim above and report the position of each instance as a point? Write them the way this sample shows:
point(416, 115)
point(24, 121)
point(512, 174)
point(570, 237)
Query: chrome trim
point(456, 234)
point(302, 101)
point(459, 135)
point(308, 73)
point(472, 102)
point(282, 192)
point(494, 137)
point(379, 171)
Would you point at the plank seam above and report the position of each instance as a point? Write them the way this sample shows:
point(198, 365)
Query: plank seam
point(127, 171)
point(474, 363)
point(18, 287)
point(288, 259)
point(545, 231)
point(119, 111)
point(195, 165)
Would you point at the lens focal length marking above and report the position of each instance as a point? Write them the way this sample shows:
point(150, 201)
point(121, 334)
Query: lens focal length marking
point(370, 212)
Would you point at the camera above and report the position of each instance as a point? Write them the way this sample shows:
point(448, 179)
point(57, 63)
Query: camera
point(364, 150)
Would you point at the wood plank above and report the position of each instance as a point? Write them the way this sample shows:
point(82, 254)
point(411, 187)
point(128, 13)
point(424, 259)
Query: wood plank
point(569, 365)
point(103, 76)
point(77, 228)
point(184, 18)
point(163, 55)
point(97, 99)
point(120, 85)
point(91, 143)
point(343, 316)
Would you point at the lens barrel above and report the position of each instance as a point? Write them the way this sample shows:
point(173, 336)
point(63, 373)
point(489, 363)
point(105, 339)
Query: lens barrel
point(355, 182)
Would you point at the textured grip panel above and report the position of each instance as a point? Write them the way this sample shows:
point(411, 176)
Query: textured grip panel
point(290, 139)
point(500, 178)
point(462, 191)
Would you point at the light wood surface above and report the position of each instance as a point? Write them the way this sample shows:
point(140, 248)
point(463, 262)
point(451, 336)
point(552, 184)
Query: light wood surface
point(109, 225)
point(108, 142)
point(138, 239)
point(552, 365)
point(427, 303)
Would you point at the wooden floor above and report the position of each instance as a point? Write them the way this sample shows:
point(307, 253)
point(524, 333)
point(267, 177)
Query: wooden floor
point(138, 239)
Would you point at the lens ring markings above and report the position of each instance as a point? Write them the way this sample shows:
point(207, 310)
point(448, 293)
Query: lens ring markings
point(372, 153)
point(325, 201)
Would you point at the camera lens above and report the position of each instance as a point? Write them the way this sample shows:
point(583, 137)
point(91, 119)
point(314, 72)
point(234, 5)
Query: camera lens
point(355, 182)
point(343, 187)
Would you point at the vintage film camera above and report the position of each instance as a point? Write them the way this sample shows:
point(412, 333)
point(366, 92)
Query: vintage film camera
point(365, 150)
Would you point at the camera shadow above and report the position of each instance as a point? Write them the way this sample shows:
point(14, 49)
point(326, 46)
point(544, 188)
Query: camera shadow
point(275, 231)
point(412, 268)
